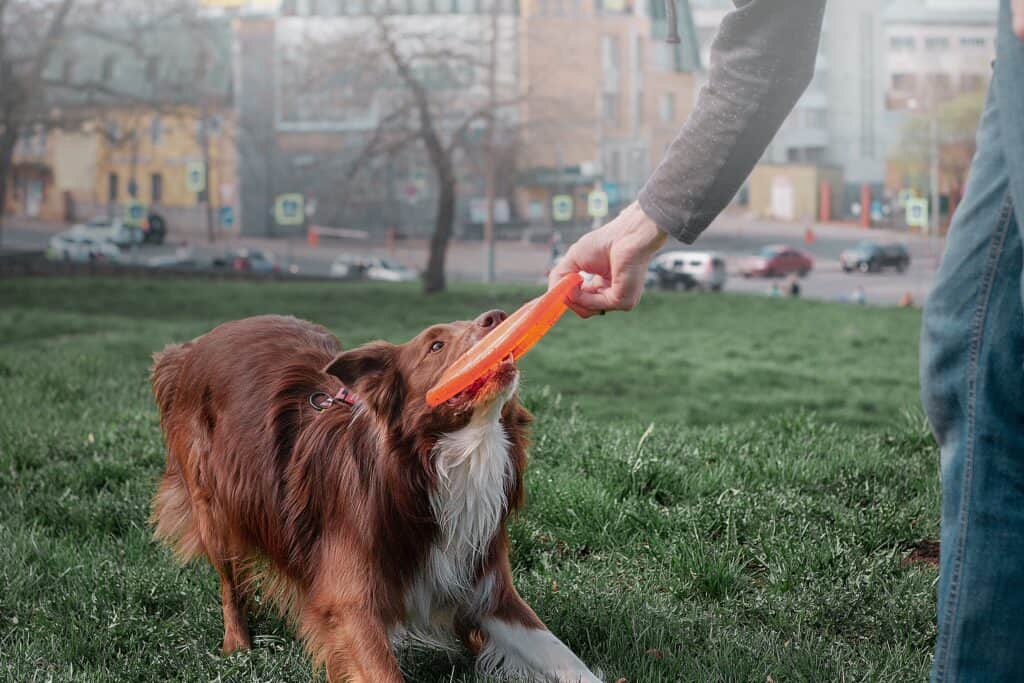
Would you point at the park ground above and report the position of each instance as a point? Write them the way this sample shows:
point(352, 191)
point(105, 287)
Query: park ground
point(721, 488)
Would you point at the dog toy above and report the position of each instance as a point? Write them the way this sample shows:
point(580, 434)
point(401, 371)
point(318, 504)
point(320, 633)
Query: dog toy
point(513, 337)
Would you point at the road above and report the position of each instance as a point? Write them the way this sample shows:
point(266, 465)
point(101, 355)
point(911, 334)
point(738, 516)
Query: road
point(733, 235)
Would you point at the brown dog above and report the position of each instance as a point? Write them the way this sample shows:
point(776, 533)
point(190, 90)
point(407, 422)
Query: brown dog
point(369, 519)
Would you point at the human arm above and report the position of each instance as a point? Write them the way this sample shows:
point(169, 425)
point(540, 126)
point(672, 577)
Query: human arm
point(761, 62)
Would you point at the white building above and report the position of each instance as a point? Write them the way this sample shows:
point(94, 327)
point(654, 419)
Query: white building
point(937, 49)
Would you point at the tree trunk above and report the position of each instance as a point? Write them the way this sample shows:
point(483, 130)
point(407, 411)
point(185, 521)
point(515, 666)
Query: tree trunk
point(434, 277)
point(7, 142)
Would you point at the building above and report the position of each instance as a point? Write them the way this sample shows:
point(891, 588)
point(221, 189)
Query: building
point(131, 127)
point(604, 97)
point(316, 87)
point(937, 49)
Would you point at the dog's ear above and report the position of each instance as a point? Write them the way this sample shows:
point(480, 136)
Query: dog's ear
point(371, 372)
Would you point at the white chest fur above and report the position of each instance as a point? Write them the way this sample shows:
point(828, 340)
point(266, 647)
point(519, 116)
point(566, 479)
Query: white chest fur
point(473, 468)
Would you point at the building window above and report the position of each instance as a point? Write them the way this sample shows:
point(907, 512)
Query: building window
point(610, 53)
point(113, 187)
point(936, 43)
point(113, 132)
point(667, 107)
point(816, 118)
point(610, 105)
point(109, 68)
point(640, 46)
point(152, 69)
point(68, 71)
point(904, 82)
point(939, 83)
point(973, 42)
point(156, 187)
point(639, 109)
point(972, 82)
point(902, 43)
point(156, 130)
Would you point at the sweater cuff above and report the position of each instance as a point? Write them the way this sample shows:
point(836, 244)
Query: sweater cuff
point(664, 221)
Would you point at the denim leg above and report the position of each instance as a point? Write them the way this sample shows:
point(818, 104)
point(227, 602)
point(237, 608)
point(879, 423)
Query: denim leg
point(972, 380)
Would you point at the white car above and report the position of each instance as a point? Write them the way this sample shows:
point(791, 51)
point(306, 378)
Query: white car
point(706, 267)
point(76, 248)
point(111, 230)
point(385, 270)
point(353, 267)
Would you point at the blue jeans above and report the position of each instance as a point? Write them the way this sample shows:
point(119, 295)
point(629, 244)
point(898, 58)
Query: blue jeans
point(972, 385)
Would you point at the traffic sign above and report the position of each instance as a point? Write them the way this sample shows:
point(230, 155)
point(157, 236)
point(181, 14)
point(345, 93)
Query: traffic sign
point(288, 209)
point(134, 213)
point(597, 204)
point(195, 176)
point(227, 216)
point(561, 207)
point(917, 212)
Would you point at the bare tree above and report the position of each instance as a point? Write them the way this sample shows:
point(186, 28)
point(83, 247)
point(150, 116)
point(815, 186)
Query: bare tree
point(431, 89)
point(30, 33)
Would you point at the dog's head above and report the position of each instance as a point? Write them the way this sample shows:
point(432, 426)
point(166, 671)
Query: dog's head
point(393, 379)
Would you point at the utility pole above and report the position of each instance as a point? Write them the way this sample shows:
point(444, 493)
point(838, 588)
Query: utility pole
point(933, 181)
point(490, 170)
point(202, 69)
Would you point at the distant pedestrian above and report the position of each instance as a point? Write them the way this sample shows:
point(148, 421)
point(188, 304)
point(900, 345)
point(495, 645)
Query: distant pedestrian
point(775, 291)
point(858, 296)
point(793, 287)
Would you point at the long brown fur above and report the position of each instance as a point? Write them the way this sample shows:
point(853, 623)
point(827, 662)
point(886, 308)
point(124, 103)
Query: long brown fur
point(332, 506)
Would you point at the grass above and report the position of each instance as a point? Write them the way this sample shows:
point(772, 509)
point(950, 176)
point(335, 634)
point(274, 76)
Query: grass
point(721, 488)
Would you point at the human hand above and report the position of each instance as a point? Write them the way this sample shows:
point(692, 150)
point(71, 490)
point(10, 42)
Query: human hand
point(1017, 9)
point(617, 255)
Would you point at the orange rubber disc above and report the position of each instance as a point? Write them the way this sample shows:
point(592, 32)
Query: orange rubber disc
point(515, 335)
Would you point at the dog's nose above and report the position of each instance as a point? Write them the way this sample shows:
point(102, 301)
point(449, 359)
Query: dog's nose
point(491, 319)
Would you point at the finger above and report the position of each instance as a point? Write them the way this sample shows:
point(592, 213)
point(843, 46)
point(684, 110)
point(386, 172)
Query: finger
point(603, 300)
point(582, 312)
point(595, 283)
point(564, 266)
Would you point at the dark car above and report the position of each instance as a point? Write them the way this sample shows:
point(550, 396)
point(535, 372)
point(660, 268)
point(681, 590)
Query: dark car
point(670, 279)
point(871, 257)
point(777, 260)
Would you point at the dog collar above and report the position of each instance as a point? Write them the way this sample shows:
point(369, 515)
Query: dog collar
point(321, 400)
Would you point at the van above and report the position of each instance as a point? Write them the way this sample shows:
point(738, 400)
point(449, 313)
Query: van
point(706, 267)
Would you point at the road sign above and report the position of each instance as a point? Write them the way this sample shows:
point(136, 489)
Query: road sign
point(288, 209)
point(227, 216)
point(597, 204)
point(134, 213)
point(561, 207)
point(917, 212)
point(195, 176)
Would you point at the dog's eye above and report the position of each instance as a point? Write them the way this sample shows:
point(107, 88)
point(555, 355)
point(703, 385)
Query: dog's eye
point(436, 346)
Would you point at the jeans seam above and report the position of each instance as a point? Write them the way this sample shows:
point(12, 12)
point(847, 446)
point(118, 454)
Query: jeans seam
point(945, 645)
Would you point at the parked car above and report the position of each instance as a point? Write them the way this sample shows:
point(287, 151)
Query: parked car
point(113, 230)
point(674, 280)
point(777, 260)
point(352, 267)
point(385, 270)
point(247, 260)
point(348, 267)
point(871, 257)
point(707, 268)
point(79, 248)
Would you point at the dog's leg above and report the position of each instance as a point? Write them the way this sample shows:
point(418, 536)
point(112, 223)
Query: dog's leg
point(349, 642)
point(224, 556)
point(233, 601)
point(517, 644)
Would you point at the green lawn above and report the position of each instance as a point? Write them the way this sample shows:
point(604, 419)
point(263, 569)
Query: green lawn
point(721, 488)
